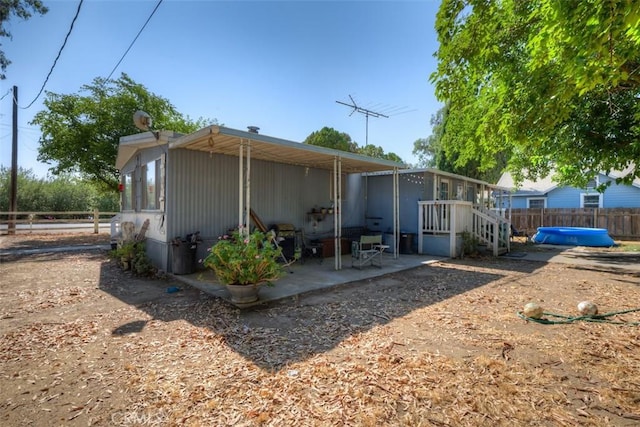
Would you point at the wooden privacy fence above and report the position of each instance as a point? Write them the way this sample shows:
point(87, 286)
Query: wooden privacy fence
point(622, 223)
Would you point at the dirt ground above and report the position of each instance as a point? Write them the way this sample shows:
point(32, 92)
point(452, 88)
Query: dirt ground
point(84, 343)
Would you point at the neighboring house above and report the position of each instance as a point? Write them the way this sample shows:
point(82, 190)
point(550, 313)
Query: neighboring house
point(545, 193)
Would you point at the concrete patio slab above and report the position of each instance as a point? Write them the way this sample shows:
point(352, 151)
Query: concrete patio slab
point(312, 275)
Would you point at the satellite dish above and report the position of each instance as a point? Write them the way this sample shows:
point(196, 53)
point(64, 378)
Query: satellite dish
point(142, 120)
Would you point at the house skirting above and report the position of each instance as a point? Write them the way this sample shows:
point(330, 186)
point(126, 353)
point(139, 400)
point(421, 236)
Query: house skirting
point(440, 245)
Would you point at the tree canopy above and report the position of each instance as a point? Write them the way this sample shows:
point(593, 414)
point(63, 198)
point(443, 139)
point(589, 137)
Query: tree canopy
point(434, 151)
point(81, 132)
point(22, 9)
point(543, 84)
point(331, 138)
point(62, 193)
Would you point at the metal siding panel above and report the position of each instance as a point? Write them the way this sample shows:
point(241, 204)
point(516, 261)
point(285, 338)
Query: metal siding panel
point(202, 193)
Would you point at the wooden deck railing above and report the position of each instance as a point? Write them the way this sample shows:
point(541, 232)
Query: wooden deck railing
point(453, 217)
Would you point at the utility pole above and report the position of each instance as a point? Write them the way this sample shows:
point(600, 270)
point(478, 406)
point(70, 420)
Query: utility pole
point(366, 113)
point(13, 197)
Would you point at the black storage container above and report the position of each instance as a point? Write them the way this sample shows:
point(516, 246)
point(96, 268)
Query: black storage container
point(183, 257)
point(406, 243)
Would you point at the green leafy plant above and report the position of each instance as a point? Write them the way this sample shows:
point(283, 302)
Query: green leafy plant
point(133, 255)
point(470, 244)
point(240, 259)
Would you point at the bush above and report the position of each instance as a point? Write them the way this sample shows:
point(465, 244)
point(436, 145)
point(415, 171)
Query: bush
point(133, 255)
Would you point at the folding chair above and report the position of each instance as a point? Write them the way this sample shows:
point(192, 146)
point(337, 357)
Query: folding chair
point(367, 251)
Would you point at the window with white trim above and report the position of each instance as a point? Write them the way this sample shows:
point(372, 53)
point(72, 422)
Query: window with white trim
point(444, 189)
point(537, 202)
point(127, 192)
point(151, 182)
point(591, 200)
point(471, 193)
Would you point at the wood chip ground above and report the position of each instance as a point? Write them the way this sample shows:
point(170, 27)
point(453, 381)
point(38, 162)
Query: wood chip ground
point(84, 343)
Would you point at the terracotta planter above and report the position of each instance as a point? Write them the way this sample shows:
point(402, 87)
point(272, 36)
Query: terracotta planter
point(243, 294)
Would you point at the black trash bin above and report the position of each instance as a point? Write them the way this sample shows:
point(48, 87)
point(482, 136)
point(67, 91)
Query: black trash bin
point(406, 243)
point(183, 257)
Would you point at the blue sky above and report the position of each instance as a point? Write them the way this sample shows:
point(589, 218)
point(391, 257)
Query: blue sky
point(277, 65)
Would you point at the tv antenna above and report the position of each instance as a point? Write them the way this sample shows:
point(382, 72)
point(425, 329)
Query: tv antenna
point(366, 112)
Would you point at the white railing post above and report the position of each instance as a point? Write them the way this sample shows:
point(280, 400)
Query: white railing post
point(421, 207)
point(452, 231)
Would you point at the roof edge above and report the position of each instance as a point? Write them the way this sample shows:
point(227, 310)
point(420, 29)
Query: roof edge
point(221, 130)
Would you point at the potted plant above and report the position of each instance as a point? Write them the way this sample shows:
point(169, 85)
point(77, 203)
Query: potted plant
point(242, 262)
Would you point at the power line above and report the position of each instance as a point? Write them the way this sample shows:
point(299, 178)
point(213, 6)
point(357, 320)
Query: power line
point(5, 95)
point(57, 57)
point(134, 40)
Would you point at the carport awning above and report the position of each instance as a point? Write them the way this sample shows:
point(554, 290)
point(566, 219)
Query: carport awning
point(222, 140)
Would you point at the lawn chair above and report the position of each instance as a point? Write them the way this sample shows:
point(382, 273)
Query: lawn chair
point(367, 251)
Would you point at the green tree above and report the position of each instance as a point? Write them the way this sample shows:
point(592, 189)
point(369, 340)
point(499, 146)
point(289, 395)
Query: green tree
point(63, 193)
point(22, 9)
point(541, 85)
point(31, 194)
point(378, 152)
point(429, 149)
point(331, 138)
point(442, 150)
point(80, 133)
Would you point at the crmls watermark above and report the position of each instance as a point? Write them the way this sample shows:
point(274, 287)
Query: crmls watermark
point(138, 418)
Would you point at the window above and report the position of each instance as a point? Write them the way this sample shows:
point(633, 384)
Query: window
point(471, 194)
point(151, 181)
point(590, 200)
point(444, 190)
point(537, 203)
point(127, 192)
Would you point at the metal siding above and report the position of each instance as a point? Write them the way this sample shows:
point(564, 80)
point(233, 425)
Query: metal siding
point(353, 205)
point(379, 203)
point(202, 193)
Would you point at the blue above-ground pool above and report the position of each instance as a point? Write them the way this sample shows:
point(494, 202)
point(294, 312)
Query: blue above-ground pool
point(577, 236)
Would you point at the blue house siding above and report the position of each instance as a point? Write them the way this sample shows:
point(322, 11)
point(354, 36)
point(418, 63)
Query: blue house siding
point(615, 196)
point(618, 196)
point(564, 197)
